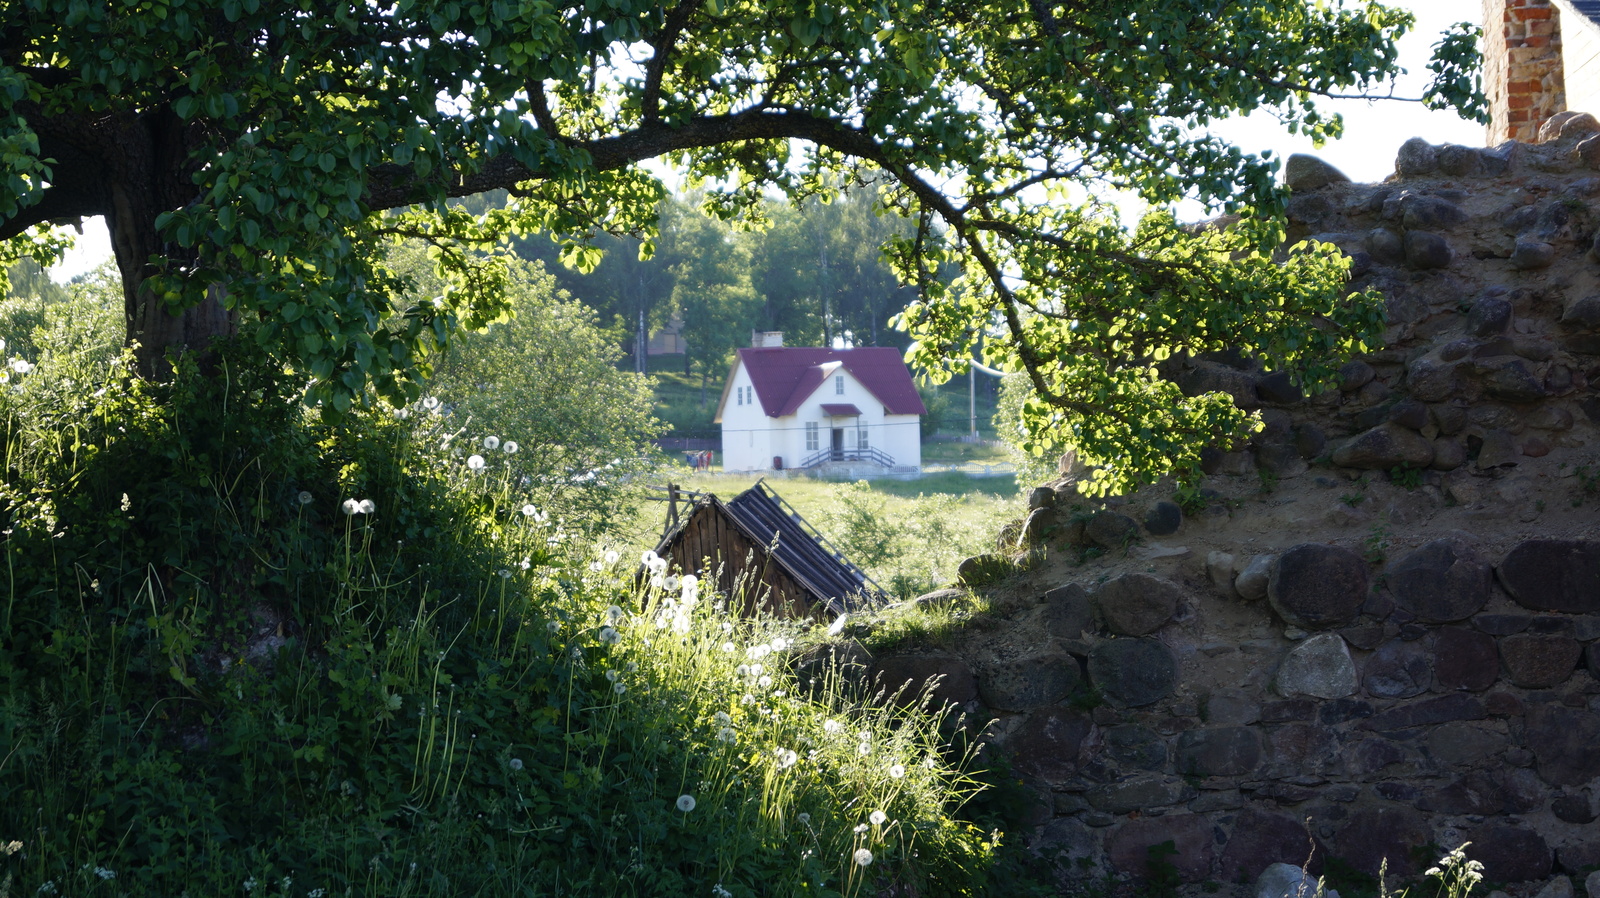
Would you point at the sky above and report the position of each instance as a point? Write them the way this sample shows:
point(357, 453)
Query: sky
point(1374, 130)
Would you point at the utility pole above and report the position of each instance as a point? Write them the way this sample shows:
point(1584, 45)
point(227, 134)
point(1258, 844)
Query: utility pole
point(972, 400)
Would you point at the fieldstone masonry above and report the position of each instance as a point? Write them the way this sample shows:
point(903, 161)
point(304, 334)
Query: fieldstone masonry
point(1390, 639)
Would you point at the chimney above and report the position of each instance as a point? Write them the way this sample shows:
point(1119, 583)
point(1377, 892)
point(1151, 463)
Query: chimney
point(765, 339)
point(1522, 70)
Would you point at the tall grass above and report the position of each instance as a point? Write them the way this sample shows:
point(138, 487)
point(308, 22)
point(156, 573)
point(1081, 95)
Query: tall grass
point(220, 672)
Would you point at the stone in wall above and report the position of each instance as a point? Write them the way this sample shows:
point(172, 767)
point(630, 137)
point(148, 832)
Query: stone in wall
point(946, 679)
point(1129, 846)
point(1564, 743)
point(1554, 575)
point(1317, 586)
point(1442, 581)
point(1022, 684)
point(1137, 604)
point(1048, 743)
point(1320, 666)
point(1133, 672)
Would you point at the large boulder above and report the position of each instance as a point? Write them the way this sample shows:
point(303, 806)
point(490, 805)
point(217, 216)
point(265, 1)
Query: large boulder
point(1137, 604)
point(1554, 575)
point(1386, 446)
point(1320, 666)
point(1022, 684)
point(1539, 661)
point(1219, 751)
point(1317, 586)
point(945, 678)
point(1442, 581)
point(1563, 741)
point(1048, 743)
point(1133, 672)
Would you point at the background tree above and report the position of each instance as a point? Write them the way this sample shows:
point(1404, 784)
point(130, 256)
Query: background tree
point(246, 153)
point(711, 291)
point(547, 380)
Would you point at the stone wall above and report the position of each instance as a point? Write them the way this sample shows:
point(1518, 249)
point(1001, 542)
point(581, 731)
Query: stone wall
point(1522, 67)
point(1377, 627)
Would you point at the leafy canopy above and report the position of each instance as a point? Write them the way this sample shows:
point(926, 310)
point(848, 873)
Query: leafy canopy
point(273, 146)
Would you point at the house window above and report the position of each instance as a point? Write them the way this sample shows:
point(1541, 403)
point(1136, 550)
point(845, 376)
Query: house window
point(838, 385)
point(812, 439)
point(861, 438)
point(738, 392)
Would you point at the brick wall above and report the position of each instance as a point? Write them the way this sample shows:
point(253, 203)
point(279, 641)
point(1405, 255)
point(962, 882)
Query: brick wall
point(1522, 67)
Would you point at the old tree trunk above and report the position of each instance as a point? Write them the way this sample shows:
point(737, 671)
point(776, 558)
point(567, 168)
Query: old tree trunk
point(130, 168)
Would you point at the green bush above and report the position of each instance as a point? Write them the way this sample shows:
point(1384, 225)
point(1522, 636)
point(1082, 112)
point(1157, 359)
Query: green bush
point(221, 672)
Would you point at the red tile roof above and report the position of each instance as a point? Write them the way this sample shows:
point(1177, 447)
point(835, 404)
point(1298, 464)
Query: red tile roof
point(785, 376)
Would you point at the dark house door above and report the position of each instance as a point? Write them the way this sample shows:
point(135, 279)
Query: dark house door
point(838, 444)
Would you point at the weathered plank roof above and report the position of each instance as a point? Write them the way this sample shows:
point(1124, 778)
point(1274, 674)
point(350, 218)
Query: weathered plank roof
point(803, 553)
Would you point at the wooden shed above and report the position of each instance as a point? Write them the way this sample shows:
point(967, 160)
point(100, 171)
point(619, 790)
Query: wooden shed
point(758, 549)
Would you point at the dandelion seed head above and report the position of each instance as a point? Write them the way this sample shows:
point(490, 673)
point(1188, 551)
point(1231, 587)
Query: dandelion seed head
point(491, 443)
point(726, 734)
point(505, 574)
point(619, 687)
point(431, 403)
point(686, 803)
point(304, 498)
point(877, 818)
point(862, 857)
point(475, 462)
point(610, 636)
point(764, 682)
point(897, 771)
point(721, 718)
point(552, 625)
point(832, 727)
point(786, 758)
point(804, 818)
point(516, 763)
point(729, 647)
point(510, 448)
point(350, 506)
point(614, 613)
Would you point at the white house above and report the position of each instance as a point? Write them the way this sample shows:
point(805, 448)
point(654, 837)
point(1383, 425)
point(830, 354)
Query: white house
point(799, 407)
